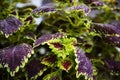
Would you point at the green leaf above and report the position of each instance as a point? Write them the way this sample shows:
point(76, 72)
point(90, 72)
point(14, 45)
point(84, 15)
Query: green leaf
point(67, 46)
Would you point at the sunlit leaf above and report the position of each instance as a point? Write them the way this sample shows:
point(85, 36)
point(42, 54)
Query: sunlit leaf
point(9, 25)
point(34, 69)
point(15, 57)
point(84, 66)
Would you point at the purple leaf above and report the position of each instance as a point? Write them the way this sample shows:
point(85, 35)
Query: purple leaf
point(47, 37)
point(46, 9)
point(50, 7)
point(9, 25)
point(115, 23)
point(34, 69)
point(84, 66)
point(113, 40)
point(106, 28)
point(15, 57)
point(82, 7)
point(98, 3)
point(49, 60)
point(43, 39)
point(113, 65)
point(58, 35)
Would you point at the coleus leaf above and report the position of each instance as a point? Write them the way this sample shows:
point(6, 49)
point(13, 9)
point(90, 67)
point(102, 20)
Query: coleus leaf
point(115, 23)
point(15, 57)
point(114, 40)
point(106, 28)
point(84, 66)
point(47, 37)
point(65, 64)
point(50, 7)
point(113, 65)
point(98, 3)
point(10, 25)
point(53, 76)
point(49, 60)
point(82, 7)
point(30, 35)
point(44, 9)
point(57, 45)
point(34, 69)
point(62, 47)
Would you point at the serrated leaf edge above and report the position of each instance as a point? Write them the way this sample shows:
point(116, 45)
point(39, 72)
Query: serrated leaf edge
point(25, 60)
point(81, 74)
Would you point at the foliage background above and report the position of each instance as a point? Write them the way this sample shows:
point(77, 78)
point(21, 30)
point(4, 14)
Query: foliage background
point(95, 28)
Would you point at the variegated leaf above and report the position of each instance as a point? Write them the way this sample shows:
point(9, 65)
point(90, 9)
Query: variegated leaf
point(34, 69)
point(15, 57)
point(47, 37)
point(10, 25)
point(84, 66)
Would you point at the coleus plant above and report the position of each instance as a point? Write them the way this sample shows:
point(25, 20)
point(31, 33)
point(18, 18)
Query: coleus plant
point(81, 39)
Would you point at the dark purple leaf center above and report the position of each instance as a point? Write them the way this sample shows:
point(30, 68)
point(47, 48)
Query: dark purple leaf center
point(66, 64)
point(57, 45)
